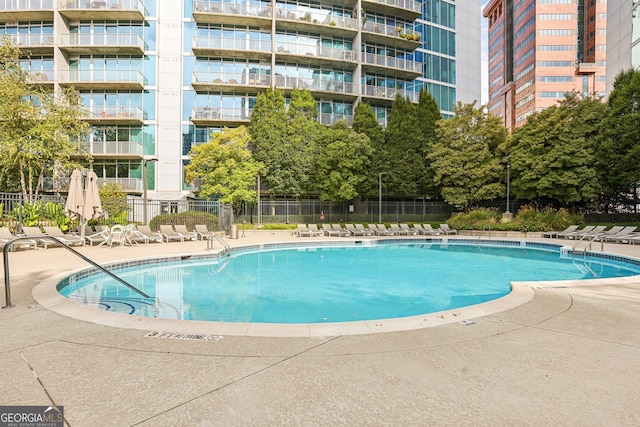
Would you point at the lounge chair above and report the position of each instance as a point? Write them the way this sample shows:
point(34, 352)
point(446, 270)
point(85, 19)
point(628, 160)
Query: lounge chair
point(366, 231)
point(610, 232)
point(152, 236)
point(622, 235)
point(445, 229)
point(552, 234)
point(202, 231)
point(380, 231)
point(341, 231)
point(383, 228)
point(182, 229)
point(315, 231)
point(568, 234)
point(6, 235)
point(168, 233)
point(395, 229)
point(589, 233)
point(328, 231)
point(408, 229)
point(353, 230)
point(302, 231)
point(69, 239)
point(426, 229)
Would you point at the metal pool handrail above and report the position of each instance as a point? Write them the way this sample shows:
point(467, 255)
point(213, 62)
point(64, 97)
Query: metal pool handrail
point(7, 280)
point(224, 244)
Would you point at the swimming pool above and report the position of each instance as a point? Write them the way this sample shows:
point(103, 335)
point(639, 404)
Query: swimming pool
point(325, 283)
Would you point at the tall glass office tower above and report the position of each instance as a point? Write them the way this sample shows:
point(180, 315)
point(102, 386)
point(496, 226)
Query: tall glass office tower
point(157, 77)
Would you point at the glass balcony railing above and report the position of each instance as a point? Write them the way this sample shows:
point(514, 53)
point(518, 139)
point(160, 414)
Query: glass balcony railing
point(104, 40)
point(114, 112)
point(232, 9)
point(131, 77)
point(25, 5)
point(221, 114)
point(411, 5)
point(112, 5)
point(41, 76)
point(392, 62)
point(231, 43)
point(391, 31)
point(133, 185)
point(129, 185)
point(319, 18)
point(315, 50)
point(315, 84)
point(330, 118)
point(32, 40)
point(221, 78)
point(388, 93)
point(113, 148)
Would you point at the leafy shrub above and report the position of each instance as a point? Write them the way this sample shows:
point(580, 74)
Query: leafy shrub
point(528, 219)
point(547, 219)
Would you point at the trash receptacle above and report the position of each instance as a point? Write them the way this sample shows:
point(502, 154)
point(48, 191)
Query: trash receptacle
point(233, 232)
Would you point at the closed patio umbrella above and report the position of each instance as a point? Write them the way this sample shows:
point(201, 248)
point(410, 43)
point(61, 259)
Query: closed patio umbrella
point(92, 203)
point(74, 206)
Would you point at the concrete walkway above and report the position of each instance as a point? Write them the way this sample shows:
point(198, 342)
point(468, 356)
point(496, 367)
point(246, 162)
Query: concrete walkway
point(569, 356)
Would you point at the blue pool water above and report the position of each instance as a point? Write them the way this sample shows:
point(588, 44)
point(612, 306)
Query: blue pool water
point(333, 283)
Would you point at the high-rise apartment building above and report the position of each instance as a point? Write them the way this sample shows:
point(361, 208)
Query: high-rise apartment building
point(541, 49)
point(623, 38)
point(159, 76)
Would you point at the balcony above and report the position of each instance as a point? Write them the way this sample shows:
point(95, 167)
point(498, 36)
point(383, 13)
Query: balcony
point(387, 34)
point(337, 89)
point(388, 93)
point(330, 118)
point(398, 66)
point(230, 47)
point(128, 185)
point(42, 77)
point(203, 80)
point(114, 114)
point(407, 9)
point(316, 22)
point(34, 44)
point(103, 79)
point(103, 43)
point(26, 10)
point(587, 68)
point(212, 12)
point(127, 149)
point(221, 116)
point(116, 10)
point(316, 55)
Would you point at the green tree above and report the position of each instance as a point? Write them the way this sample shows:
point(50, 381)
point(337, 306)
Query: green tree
point(268, 129)
point(428, 114)
point(466, 159)
point(301, 145)
point(226, 168)
point(39, 129)
point(552, 155)
point(343, 162)
point(402, 154)
point(618, 150)
point(365, 122)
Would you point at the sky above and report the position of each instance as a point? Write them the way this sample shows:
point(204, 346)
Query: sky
point(485, 57)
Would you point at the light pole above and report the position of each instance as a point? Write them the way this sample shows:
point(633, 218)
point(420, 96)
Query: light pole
point(380, 196)
point(507, 215)
point(144, 186)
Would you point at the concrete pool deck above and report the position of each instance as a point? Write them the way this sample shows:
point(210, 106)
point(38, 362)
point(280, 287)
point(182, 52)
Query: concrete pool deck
point(566, 356)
